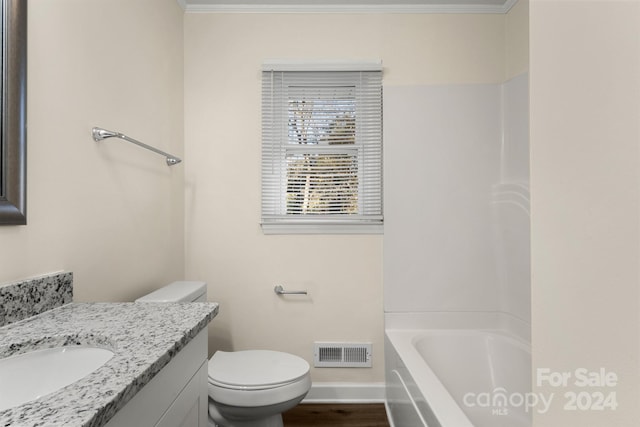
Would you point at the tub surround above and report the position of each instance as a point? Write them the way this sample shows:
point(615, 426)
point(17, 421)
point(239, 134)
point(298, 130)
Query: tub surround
point(34, 296)
point(463, 263)
point(144, 338)
point(494, 321)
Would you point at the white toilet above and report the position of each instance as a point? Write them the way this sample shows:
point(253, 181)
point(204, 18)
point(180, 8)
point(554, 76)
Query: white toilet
point(250, 388)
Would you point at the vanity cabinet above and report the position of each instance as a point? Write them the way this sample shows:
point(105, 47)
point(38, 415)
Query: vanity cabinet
point(176, 396)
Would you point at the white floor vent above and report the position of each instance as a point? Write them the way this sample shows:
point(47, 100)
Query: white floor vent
point(341, 355)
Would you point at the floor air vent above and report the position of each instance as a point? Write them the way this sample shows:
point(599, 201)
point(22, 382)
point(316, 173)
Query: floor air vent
point(341, 355)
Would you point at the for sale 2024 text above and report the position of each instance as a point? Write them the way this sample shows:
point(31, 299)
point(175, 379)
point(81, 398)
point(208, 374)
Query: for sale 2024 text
point(592, 390)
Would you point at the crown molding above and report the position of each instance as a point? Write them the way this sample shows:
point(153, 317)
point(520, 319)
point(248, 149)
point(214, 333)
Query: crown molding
point(190, 6)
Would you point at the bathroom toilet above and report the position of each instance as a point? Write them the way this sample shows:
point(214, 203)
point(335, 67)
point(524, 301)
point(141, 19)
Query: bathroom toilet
point(249, 388)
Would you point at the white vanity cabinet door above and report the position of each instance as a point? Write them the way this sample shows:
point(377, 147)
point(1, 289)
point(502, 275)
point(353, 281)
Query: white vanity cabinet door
point(176, 396)
point(186, 410)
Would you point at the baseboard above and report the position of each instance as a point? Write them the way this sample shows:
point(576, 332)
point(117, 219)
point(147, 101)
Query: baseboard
point(325, 392)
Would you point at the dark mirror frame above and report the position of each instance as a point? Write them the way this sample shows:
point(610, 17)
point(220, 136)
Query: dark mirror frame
point(13, 114)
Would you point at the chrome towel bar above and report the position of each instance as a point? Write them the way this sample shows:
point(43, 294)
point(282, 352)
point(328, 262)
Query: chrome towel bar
point(99, 134)
point(280, 291)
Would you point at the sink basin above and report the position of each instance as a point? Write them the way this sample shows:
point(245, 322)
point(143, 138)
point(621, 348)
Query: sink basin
point(29, 376)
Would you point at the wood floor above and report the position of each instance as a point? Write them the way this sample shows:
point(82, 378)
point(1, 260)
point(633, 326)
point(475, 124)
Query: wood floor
point(347, 415)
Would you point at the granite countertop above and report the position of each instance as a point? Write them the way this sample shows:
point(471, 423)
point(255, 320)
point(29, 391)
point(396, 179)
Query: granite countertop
point(143, 336)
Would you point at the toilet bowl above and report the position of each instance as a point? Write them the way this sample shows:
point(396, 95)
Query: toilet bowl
point(249, 388)
point(252, 388)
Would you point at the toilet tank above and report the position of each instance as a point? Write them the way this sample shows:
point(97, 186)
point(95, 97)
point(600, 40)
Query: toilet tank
point(181, 291)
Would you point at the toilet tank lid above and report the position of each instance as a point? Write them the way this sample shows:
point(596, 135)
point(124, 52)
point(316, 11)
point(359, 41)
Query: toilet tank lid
point(181, 291)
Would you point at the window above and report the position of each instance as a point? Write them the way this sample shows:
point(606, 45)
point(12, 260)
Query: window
point(322, 148)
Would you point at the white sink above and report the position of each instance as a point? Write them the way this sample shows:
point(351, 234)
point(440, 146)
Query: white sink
point(28, 376)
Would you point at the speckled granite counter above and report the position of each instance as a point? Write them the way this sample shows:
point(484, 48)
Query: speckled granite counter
point(33, 296)
point(144, 338)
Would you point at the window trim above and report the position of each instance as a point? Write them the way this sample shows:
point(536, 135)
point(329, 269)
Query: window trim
point(322, 224)
point(320, 228)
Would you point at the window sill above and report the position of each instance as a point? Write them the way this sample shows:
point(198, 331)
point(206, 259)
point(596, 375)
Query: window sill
point(270, 229)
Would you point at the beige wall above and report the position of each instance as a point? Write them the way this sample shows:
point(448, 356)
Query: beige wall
point(111, 212)
point(224, 243)
point(517, 40)
point(585, 105)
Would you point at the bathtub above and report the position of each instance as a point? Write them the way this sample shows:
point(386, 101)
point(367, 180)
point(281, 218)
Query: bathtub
point(457, 378)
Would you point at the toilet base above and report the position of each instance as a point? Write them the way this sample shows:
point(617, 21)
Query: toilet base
point(267, 416)
point(273, 421)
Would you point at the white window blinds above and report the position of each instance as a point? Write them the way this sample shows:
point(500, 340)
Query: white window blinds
point(322, 149)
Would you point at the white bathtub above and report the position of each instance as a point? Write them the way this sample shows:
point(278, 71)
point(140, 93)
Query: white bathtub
point(457, 378)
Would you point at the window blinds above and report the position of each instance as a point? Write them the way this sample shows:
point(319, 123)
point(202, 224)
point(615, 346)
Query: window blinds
point(321, 146)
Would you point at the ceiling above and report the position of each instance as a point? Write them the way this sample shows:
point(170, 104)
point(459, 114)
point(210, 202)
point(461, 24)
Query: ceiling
point(345, 6)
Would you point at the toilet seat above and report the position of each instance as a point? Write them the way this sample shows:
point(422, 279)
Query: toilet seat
point(254, 378)
point(255, 369)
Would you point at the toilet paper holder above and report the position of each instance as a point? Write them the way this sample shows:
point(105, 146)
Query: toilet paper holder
point(279, 289)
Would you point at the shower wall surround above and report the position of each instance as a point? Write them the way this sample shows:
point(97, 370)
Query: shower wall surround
point(33, 296)
point(457, 199)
